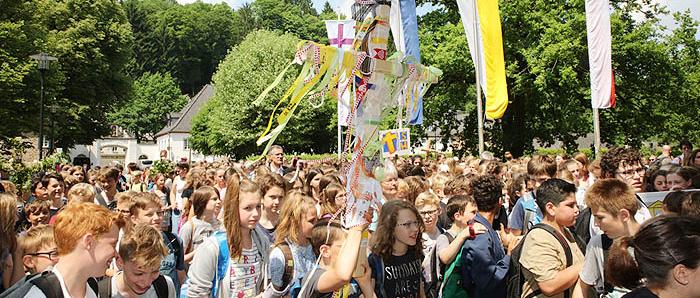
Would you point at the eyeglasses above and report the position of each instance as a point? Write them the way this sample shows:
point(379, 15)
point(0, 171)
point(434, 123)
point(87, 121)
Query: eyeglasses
point(428, 212)
point(123, 211)
point(630, 172)
point(51, 255)
point(410, 224)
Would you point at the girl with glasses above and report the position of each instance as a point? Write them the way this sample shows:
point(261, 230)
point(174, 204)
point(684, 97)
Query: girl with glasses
point(397, 252)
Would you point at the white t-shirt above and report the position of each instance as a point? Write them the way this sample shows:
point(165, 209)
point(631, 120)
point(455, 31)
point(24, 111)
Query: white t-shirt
point(35, 292)
point(179, 185)
point(151, 293)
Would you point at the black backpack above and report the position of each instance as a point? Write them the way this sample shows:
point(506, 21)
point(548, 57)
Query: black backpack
point(516, 279)
point(46, 281)
point(160, 285)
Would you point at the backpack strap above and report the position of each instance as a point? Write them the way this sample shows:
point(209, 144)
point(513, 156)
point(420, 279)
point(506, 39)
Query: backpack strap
point(381, 275)
point(49, 284)
point(104, 287)
point(288, 274)
point(172, 239)
point(450, 238)
point(221, 262)
point(161, 287)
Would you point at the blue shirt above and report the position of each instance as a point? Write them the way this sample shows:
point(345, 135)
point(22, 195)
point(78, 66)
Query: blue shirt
point(526, 203)
point(484, 264)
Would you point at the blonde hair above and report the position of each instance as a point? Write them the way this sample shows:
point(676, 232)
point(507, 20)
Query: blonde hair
point(143, 245)
point(612, 195)
point(77, 220)
point(143, 200)
point(81, 192)
point(427, 198)
point(438, 181)
point(35, 238)
point(8, 211)
point(292, 215)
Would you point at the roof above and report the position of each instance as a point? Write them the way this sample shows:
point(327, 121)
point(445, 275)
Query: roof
point(184, 121)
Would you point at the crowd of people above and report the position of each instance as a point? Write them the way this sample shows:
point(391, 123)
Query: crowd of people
point(540, 226)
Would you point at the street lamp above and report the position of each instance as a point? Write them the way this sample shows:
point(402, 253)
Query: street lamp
point(44, 60)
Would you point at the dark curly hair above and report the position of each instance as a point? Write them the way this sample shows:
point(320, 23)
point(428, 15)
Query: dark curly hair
point(611, 160)
point(487, 190)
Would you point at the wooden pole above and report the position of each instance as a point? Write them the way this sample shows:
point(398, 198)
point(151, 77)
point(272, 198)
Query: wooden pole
point(596, 132)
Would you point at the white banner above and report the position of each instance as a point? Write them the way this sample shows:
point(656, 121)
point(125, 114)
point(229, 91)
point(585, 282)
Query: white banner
point(600, 53)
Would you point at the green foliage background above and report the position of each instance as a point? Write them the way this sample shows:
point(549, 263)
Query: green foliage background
point(229, 124)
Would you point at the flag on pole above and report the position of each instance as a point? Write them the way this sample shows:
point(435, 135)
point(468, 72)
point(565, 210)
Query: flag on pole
point(600, 53)
point(483, 30)
point(341, 34)
point(404, 29)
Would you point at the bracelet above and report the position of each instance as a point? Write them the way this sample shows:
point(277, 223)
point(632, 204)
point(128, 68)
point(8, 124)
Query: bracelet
point(472, 234)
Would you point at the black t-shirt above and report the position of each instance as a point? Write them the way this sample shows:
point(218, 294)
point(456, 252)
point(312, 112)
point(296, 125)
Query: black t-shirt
point(402, 275)
point(642, 292)
point(311, 290)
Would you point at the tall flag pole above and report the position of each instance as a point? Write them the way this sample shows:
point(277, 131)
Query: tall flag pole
point(482, 25)
point(600, 61)
point(341, 34)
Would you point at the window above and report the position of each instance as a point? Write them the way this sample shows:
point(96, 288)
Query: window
point(186, 144)
point(46, 142)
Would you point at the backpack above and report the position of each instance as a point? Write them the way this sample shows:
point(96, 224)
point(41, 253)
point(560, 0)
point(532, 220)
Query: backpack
point(581, 227)
point(177, 246)
point(223, 259)
point(432, 288)
point(159, 284)
point(531, 212)
point(288, 274)
point(516, 279)
point(46, 281)
point(377, 265)
point(451, 285)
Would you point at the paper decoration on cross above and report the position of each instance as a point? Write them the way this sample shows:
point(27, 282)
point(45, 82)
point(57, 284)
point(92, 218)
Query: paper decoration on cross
point(395, 141)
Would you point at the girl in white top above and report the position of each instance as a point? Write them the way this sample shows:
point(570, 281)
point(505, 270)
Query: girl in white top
point(231, 263)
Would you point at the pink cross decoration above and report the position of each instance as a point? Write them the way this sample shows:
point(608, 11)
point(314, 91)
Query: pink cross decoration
point(340, 41)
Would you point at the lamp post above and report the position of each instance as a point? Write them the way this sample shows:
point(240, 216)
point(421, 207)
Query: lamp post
point(43, 60)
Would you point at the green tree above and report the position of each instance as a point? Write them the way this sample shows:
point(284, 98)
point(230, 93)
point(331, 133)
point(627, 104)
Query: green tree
point(547, 74)
point(187, 41)
point(92, 40)
point(152, 98)
point(22, 33)
point(327, 9)
point(290, 17)
point(229, 124)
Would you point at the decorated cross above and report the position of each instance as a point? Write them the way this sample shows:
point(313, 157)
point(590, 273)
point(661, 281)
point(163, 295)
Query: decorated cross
point(379, 81)
point(340, 40)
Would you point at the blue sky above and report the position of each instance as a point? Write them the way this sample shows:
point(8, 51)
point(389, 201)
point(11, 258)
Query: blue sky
point(673, 5)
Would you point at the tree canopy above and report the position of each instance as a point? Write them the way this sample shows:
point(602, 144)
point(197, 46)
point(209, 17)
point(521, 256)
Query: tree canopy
point(154, 96)
point(230, 122)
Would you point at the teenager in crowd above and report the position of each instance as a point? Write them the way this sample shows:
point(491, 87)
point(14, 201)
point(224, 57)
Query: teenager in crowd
point(273, 189)
point(232, 262)
point(205, 205)
point(397, 252)
point(86, 235)
point(544, 252)
point(298, 216)
point(663, 254)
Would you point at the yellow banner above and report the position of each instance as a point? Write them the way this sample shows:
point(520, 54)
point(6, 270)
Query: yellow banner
point(496, 89)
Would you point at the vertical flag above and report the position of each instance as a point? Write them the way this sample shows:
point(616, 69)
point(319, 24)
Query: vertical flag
point(404, 29)
point(483, 30)
point(341, 34)
point(600, 53)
